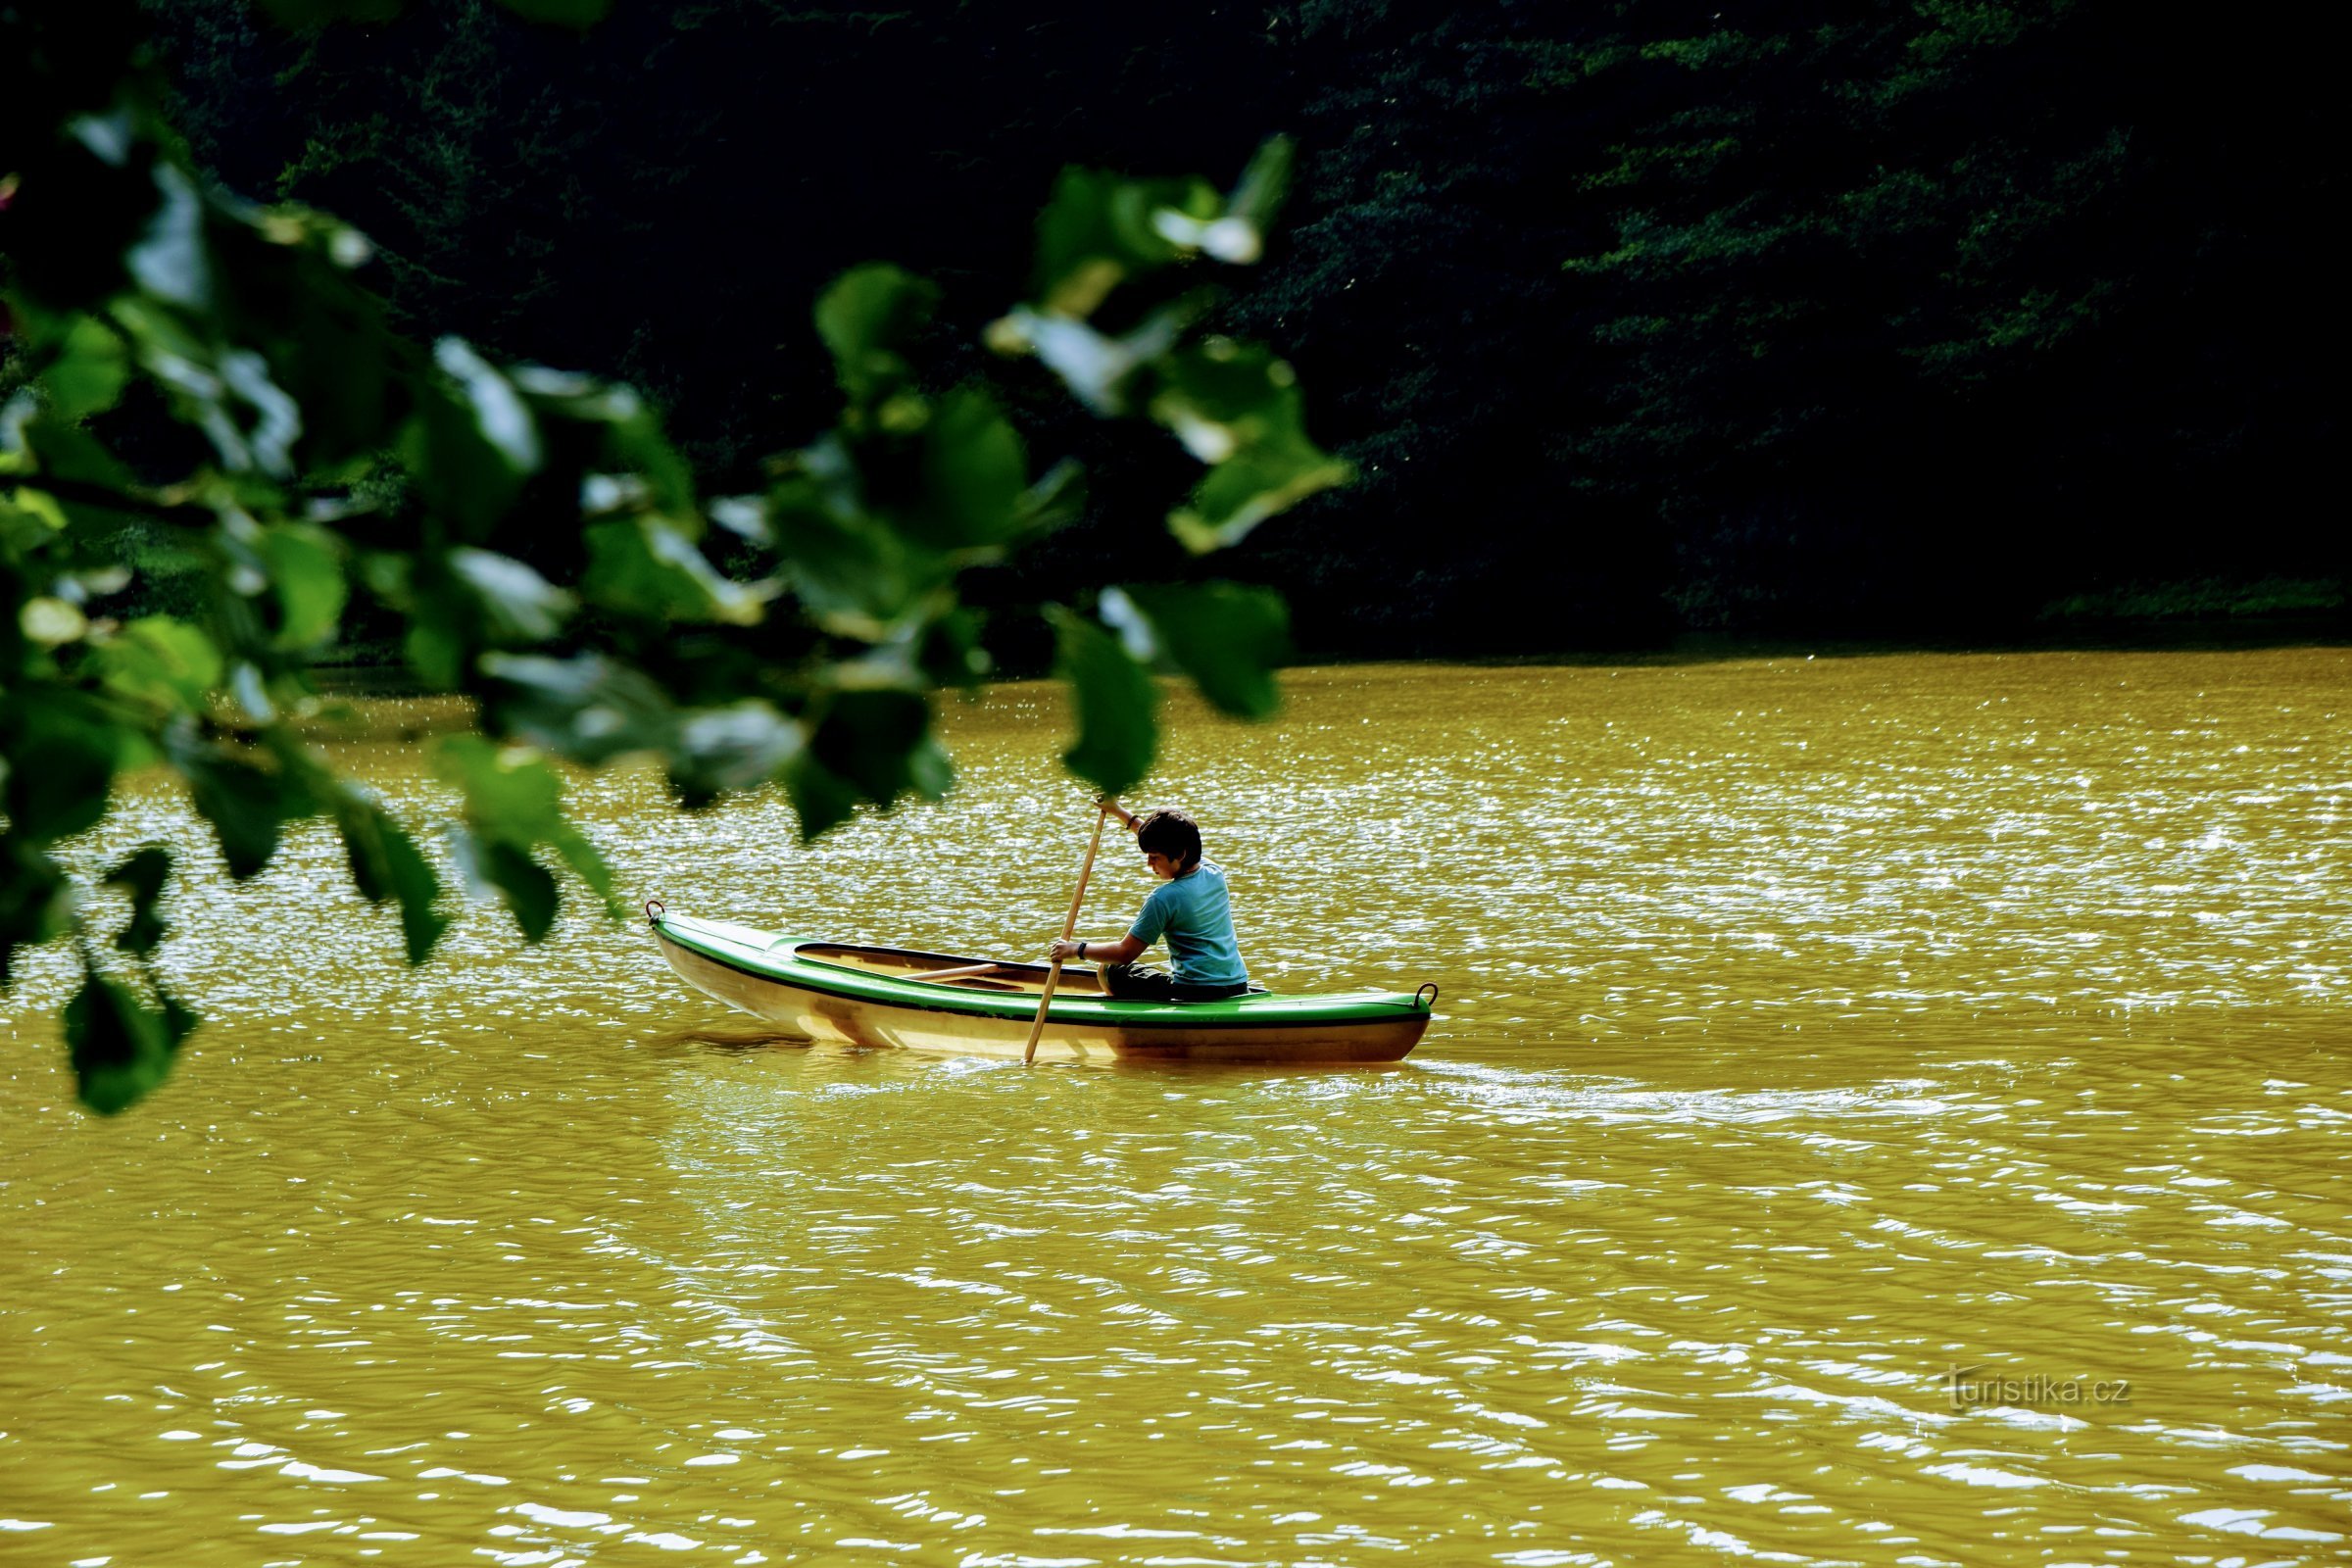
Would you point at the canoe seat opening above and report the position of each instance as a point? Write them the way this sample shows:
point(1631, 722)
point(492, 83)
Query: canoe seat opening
point(947, 972)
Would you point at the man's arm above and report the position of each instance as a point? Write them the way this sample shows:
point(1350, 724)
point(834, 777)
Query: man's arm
point(1122, 949)
point(1149, 921)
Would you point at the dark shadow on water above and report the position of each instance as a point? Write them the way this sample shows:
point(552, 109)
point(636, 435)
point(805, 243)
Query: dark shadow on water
point(723, 1040)
point(1198, 1071)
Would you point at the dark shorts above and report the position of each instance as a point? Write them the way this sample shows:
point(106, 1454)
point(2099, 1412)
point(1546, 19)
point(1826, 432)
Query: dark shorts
point(1131, 982)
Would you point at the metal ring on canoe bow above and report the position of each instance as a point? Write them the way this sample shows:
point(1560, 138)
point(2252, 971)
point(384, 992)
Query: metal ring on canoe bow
point(653, 911)
point(1431, 1000)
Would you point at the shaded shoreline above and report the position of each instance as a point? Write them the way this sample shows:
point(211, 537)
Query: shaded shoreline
point(389, 677)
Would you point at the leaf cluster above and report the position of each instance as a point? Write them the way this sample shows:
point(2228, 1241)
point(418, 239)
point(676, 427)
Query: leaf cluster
point(215, 380)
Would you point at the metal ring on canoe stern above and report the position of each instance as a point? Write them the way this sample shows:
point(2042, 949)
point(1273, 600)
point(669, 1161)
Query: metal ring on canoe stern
point(1430, 1000)
point(655, 910)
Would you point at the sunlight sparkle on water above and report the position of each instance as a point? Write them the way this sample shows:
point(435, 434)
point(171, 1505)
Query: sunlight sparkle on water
point(1883, 1110)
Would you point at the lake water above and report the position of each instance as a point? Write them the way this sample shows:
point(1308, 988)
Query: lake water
point(1883, 1110)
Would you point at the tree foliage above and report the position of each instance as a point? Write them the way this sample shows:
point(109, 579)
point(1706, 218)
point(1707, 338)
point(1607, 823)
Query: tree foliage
point(1878, 318)
point(1802, 318)
point(209, 398)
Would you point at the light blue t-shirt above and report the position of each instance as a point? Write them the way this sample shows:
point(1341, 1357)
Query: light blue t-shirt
point(1196, 916)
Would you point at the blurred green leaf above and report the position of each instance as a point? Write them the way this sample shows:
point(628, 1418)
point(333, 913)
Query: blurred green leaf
point(1219, 395)
point(1237, 407)
point(731, 748)
point(1245, 490)
point(161, 662)
point(1057, 500)
point(227, 392)
point(142, 876)
point(1238, 232)
point(305, 570)
point(1230, 638)
point(519, 604)
point(35, 898)
point(63, 749)
point(975, 474)
point(645, 566)
point(868, 738)
point(587, 707)
point(853, 575)
point(640, 455)
point(1258, 196)
point(951, 652)
point(385, 864)
point(1115, 701)
point(248, 804)
point(172, 260)
point(499, 411)
point(389, 575)
point(89, 372)
point(588, 865)
point(511, 795)
point(514, 804)
point(251, 690)
point(821, 798)
point(460, 471)
point(744, 517)
point(526, 888)
point(120, 1048)
point(64, 451)
point(1096, 367)
point(930, 770)
point(47, 621)
point(330, 346)
point(1097, 228)
point(436, 653)
point(28, 528)
point(590, 708)
point(572, 395)
point(447, 618)
point(863, 317)
point(529, 888)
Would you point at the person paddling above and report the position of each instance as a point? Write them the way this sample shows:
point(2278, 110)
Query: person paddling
point(1191, 909)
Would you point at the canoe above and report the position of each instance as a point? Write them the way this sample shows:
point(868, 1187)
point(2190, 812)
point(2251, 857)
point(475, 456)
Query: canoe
point(869, 995)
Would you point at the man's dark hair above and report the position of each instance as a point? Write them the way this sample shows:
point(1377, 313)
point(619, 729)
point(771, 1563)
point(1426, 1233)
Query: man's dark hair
point(1172, 834)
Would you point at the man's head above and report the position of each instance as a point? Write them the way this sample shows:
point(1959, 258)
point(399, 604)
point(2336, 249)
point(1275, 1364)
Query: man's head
point(1171, 841)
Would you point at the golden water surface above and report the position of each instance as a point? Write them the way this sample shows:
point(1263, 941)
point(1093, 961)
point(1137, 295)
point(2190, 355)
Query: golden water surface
point(1883, 1110)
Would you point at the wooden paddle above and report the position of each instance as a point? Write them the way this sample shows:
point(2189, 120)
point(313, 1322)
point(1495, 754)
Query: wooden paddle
point(1069, 925)
point(964, 974)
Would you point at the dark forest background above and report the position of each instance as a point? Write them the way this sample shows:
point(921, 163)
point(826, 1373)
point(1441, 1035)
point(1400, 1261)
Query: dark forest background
point(1875, 321)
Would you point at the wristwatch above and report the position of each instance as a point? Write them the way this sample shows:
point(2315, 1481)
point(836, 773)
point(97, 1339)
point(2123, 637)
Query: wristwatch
point(1082, 949)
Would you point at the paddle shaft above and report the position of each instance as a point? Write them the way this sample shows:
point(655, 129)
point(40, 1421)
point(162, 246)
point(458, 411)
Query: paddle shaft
point(1069, 925)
